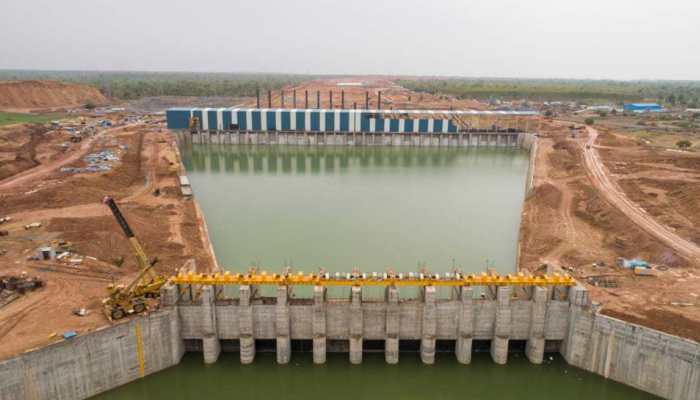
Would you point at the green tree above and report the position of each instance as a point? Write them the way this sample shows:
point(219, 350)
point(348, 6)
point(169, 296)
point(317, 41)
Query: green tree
point(671, 99)
point(90, 105)
point(683, 144)
point(589, 121)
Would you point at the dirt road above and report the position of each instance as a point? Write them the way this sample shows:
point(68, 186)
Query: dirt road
point(39, 171)
point(619, 200)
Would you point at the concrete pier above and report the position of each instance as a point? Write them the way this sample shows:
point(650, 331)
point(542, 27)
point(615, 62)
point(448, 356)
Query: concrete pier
point(534, 349)
point(391, 343)
point(211, 346)
point(465, 327)
point(284, 343)
point(318, 325)
point(169, 299)
point(245, 325)
point(429, 326)
point(502, 325)
point(356, 325)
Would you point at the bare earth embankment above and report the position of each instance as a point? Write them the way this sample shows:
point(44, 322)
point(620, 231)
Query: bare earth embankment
point(69, 208)
point(577, 221)
point(25, 96)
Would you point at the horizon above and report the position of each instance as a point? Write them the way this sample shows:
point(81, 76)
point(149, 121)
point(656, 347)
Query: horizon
point(330, 75)
point(623, 40)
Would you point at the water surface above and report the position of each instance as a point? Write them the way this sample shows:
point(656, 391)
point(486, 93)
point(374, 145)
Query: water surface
point(370, 208)
point(373, 379)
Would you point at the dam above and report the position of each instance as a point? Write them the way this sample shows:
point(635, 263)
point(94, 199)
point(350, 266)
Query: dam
point(268, 335)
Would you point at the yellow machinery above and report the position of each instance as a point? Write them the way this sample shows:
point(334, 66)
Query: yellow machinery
point(373, 279)
point(123, 300)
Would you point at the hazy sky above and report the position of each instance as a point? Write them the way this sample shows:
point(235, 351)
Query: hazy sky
point(621, 39)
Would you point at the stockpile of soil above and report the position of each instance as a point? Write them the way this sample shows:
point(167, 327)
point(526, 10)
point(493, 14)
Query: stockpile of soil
point(47, 94)
point(18, 149)
point(548, 194)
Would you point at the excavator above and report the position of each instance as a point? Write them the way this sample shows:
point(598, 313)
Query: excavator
point(131, 299)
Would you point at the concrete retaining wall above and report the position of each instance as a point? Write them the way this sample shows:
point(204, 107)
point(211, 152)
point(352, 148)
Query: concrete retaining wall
point(529, 142)
point(665, 365)
point(92, 363)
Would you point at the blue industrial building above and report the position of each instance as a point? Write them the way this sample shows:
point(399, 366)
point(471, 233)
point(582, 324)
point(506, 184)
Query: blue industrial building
point(323, 120)
point(642, 107)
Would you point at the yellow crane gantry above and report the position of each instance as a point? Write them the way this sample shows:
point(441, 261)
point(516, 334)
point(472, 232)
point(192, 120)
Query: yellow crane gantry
point(373, 279)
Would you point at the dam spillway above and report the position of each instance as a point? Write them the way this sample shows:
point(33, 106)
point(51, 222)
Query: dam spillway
point(526, 311)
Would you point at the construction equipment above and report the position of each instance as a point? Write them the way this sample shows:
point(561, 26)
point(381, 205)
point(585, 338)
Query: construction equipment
point(131, 298)
point(389, 278)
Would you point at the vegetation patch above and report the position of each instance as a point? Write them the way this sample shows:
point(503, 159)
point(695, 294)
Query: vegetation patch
point(7, 118)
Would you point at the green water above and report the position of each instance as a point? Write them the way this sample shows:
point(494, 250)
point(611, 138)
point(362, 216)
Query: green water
point(373, 379)
point(370, 208)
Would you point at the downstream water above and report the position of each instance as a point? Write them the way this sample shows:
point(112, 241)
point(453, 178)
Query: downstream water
point(374, 379)
point(370, 208)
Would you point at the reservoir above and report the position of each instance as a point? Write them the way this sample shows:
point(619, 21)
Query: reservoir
point(369, 208)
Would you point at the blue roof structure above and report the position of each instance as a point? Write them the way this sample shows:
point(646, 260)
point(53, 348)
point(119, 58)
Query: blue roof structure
point(329, 120)
point(643, 107)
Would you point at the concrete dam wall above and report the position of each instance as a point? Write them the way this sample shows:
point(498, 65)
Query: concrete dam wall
point(462, 139)
point(89, 364)
point(534, 316)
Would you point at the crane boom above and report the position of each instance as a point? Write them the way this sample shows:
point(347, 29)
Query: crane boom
point(122, 299)
point(138, 250)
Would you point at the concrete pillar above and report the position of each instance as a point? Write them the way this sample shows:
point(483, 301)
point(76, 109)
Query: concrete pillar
point(502, 325)
point(356, 327)
point(245, 322)
point(319, 325)
point(581, 320)
point(211, 346)
point(534, 349)
point(429, 326)
point(391, 343)
point(284, 343)
point(168, 301)
point(465, 327)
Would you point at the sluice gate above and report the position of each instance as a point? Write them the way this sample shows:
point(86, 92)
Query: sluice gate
point(499, 309)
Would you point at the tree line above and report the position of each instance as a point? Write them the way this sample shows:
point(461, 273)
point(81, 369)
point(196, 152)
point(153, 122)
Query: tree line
point(686, 93)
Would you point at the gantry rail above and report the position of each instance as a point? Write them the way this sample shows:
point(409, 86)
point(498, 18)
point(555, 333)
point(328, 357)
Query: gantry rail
point(372, 279)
